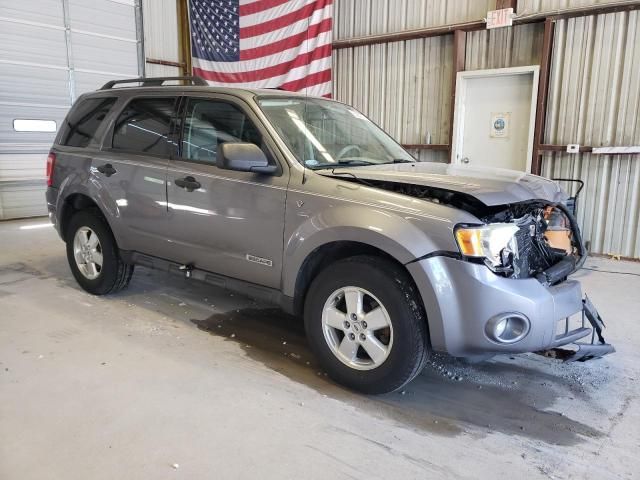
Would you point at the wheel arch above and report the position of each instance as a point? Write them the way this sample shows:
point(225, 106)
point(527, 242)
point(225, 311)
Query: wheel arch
point(74, 203)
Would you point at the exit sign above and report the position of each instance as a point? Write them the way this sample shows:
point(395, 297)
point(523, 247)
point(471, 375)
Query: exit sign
point(500, 18)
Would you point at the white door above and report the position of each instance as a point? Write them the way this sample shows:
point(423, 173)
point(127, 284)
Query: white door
point(494, 117)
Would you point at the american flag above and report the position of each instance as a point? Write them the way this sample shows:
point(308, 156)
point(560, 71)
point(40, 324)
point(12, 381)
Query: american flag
point(263, 43)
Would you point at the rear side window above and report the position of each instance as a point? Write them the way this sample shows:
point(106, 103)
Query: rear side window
point(83, 121)
point(145, 125)
point(209, 123)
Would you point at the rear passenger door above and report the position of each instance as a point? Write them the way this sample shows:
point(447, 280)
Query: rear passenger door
point(133, 166)
point(233, 223)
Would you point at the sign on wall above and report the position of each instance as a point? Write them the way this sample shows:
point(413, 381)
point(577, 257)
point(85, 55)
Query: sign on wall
point(500, 18)
point(500, 123)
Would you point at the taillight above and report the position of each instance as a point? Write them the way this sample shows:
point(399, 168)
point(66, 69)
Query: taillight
point(51, 162)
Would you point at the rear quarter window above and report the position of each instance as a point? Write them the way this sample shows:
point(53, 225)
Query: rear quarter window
point(83, 121)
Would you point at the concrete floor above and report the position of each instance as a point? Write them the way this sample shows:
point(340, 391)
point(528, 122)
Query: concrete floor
point(175, 379)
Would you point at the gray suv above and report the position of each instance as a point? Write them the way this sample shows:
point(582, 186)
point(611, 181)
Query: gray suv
point(305, 203)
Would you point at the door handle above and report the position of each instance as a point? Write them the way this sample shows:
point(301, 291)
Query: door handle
point(188, 183)
point(465, 160)
point(107, 169)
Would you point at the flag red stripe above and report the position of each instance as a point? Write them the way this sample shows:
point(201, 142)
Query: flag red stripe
point(308, 81)
point(268, 72)
point(286, 43)
point(260, 6)
point(284, 20)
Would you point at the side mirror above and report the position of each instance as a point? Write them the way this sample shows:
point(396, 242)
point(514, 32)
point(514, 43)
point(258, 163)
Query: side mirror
point(243, 157)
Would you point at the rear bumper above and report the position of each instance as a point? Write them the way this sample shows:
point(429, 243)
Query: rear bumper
point(462, 299)
point(52, 202)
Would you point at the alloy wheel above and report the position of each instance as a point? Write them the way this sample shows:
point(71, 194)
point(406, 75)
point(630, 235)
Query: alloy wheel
point(357, 328)
point(87, 252)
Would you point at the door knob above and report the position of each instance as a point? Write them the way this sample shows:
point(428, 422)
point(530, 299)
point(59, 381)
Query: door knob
point(188, 183)
point(106, 169)
point(464, 159)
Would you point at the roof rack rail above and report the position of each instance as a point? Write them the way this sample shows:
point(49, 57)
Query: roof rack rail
point(155, 81)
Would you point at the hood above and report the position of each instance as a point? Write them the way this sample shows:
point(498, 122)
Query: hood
point(491, 186)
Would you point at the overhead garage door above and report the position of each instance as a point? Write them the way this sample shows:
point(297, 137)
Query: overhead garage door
point(52, 51)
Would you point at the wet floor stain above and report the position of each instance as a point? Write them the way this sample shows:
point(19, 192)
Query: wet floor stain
point(441, 400)
point(19, 272)
point(436, 401)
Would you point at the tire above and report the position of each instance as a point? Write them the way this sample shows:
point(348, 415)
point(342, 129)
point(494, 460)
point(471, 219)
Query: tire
point(400, 350)
point(109, 276)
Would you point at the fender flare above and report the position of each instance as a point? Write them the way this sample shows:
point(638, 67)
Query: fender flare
point(105, 204)
point(401, 239)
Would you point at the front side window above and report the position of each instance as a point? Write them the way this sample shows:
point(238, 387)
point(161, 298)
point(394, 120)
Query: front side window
point(145, 126)
point(209, 123)
point(325, 134)
point(82, 123)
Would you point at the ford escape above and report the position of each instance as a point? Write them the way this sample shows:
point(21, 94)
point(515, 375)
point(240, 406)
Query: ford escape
point(305, 203)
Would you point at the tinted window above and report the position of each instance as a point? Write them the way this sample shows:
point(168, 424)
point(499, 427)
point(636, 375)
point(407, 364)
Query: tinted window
point(209, 123)
point(144, 126)
point(83, 121)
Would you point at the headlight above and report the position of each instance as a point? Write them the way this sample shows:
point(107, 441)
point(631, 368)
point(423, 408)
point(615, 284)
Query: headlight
point(487, 241)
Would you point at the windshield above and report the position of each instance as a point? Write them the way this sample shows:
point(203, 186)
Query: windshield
point(326, 134)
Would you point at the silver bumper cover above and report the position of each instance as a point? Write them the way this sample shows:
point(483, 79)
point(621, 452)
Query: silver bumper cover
point(461, 297)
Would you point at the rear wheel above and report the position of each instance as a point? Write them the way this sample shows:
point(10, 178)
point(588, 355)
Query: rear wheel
point(366, 324)
point(93, 255)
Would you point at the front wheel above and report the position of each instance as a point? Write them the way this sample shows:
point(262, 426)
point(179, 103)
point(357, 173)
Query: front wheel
point(366, 324)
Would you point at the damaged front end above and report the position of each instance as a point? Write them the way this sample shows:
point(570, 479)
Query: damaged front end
point(539, 240)
point(542, 241)
point(532, 239)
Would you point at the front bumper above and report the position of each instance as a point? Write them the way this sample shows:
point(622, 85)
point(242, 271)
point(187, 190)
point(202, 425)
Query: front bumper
point(462, 297)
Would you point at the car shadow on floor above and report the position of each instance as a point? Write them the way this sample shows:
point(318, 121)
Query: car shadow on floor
point(438, 400)
point(503, 395)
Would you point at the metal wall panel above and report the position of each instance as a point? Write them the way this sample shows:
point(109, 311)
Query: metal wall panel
point(153, 70)
point(161, 29)
point(354, 18)
point(528, 7)
point(33, 87)
point(609, 204)
point(117, 58)
point(504, 47)
point(594, 99)
point(594, 93)
point(51, 51)
point(48, 12)
point(104, 17)
point(405, 87)
point(36, 44)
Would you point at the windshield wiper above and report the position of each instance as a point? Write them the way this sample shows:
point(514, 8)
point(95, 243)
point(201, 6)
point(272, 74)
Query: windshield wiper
point(350, 163)
point(400, 160)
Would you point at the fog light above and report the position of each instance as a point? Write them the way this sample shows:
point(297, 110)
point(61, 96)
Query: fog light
point(507, 327)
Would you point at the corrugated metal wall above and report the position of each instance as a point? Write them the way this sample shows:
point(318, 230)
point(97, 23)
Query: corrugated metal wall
point(161, 36)
point(594, 96)
point(403, 86)
point(594, 99)
point(354, 18)
point(51, 51)
point(528, 7)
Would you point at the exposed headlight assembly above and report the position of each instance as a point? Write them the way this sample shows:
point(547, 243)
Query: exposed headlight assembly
point(487, 242)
